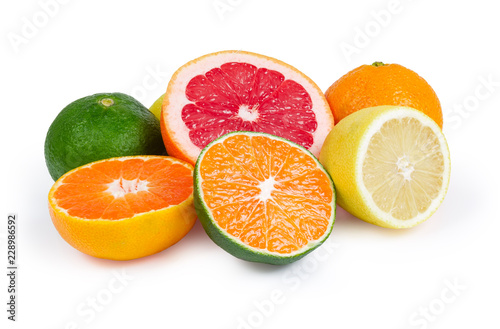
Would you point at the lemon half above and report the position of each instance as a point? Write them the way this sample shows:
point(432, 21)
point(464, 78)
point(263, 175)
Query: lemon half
point(390, 165)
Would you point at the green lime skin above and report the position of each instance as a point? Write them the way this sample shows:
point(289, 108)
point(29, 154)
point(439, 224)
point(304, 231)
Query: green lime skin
point(233, 245)
point(100, 126)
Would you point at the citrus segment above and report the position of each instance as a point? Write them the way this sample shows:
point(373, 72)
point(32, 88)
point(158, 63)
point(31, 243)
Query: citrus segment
point(241, 91)
point(253, 204)
point(390, 165)
point(124, 208)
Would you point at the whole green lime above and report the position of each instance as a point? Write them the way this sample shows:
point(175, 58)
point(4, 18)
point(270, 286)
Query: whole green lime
point(98, 127)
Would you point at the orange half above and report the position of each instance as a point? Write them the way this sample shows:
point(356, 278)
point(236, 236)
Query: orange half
point(124, 208)
point(263, 198)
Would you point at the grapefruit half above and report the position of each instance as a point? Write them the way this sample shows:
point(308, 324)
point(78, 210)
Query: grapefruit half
point(241, 91)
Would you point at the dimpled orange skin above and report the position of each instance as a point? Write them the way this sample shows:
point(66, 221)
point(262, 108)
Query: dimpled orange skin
point(382, 84)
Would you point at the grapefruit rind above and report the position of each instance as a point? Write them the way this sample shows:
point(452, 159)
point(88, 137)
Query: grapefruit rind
point(175, 133)
point(235, 246)
point(128, 238)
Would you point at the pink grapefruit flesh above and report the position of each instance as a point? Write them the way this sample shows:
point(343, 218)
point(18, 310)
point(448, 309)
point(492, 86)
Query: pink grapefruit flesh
point(240, 91)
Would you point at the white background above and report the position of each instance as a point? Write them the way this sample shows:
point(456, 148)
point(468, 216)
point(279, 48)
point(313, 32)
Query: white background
point(365, 276)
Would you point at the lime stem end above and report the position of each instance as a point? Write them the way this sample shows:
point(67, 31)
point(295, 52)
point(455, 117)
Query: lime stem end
point(106, 102)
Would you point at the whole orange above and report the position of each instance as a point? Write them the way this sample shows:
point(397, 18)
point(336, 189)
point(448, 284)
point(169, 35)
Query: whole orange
point(382, 84)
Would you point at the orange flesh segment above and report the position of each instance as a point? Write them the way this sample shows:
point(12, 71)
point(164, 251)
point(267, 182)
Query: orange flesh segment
point(118, 189)
point(266, 192)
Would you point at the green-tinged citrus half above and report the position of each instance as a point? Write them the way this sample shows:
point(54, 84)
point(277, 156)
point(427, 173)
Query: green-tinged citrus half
point(263, 198)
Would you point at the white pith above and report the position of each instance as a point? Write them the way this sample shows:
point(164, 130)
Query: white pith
point(404, 167)
point(266, 188)
point(248, 114)
point(120, 187)
point(176, 98)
